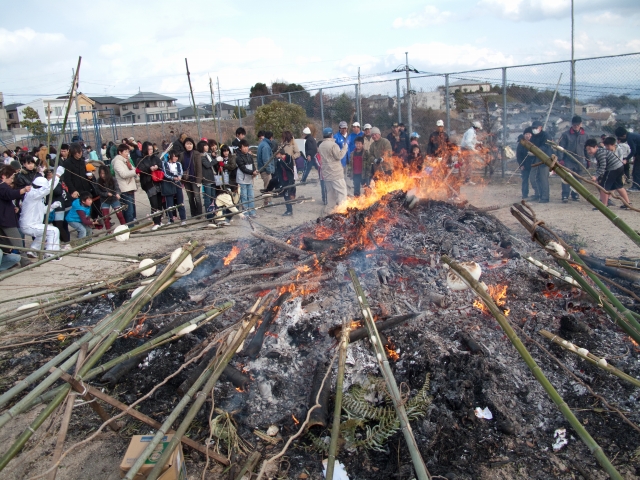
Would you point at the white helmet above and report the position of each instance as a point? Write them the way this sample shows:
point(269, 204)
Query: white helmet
point(306, 130)
point(477, 125)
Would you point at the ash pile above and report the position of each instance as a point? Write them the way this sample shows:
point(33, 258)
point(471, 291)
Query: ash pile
point(475, 408)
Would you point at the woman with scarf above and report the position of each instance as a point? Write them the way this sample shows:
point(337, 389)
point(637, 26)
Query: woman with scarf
point(151, 176)
point(192, 167)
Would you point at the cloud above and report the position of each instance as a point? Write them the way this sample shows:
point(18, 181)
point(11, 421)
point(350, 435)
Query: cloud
point(22, 43)
point(537, 10)
point(430, 15)
point(442, 57)
point(111, 49)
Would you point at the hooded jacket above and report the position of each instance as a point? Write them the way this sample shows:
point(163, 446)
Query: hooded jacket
point(33, 208)
point(8, 195)
point(25, 177)
point(540, 141)
point(264, 155)
point(244, 174)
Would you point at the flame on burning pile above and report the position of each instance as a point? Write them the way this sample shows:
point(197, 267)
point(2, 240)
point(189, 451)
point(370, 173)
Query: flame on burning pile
point(635, 344)
point(499, 295)
point(232, 254)
point(295, 420)
point(389, 348)
point(137, 330)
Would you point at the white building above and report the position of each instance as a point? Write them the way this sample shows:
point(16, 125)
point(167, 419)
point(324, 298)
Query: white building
point(434, 100)
point(58, 107)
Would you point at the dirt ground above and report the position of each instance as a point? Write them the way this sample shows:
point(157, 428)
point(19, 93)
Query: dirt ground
point(100, 459)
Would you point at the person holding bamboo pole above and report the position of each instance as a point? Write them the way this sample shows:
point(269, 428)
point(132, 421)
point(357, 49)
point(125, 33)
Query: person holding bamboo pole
point(191, 165)
point(9, 234)
point(33, 210)
point(610, 170)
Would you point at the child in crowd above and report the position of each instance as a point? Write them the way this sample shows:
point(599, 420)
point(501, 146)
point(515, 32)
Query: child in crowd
point(109, 191)
point(610, 169)
point(28, 173)
point(171, 187)
point(32, 214)
point(79, 217)
point(623, 150)
point(357, 166)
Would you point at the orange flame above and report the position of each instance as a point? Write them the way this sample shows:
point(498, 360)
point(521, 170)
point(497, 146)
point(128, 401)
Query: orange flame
point(635, 344)
point(295, 420)
point(232, 254)
point(499, 295)
point(389, 348)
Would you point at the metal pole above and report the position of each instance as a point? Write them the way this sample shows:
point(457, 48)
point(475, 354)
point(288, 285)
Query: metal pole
point(289, 94)
point(147, 125)
point(398, 100)
point(321, 107)
point(262, 99)
point(573, 67)
point(195, 108)
point(409, 102)
point(77, 86)
point(239, 113)
point(219, 110)
point(504, 118)
point(448, 106)
point(213, 103)
point(359, 98)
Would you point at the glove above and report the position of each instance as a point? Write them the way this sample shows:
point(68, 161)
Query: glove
point(60, 170)
point(55, 205)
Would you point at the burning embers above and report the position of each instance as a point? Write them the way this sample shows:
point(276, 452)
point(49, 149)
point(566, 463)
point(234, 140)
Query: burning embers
point(499, 295)
point(232, 254)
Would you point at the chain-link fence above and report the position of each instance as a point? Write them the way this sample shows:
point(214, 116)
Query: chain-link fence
point(605, 91)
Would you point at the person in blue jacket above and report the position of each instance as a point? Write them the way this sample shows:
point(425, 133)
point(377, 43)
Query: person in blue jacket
point(341, 138)
point(264, 155)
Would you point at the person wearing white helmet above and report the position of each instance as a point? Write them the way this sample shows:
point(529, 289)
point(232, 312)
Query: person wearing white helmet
point(310, 150)
point(470, 138)
point(33, 210)
point(438, 141)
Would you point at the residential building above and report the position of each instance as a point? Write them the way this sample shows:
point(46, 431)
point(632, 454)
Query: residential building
point(148, 107)
point(378, 102)
point(13, 121)
point(186, 113)
point(434, 100)
point(3, 114)
point(467, 86)
point(628, 113)
point(57, 109)
point(589, 108)
point(599, 119)
point(104, 103)
point(84, 103)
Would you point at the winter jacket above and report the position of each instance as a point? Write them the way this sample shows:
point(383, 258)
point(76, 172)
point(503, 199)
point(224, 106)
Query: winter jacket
point(125, 177)
point(292, 149)
point(228, 164)
point(340, 141)
point(573, 141)
point(540, 141)
point(633, 140)
point(112, 151)
point(264, 155)
point(104, 192)
point(284, 171)
point(191, 165)
point(59, 195)
point(402, 143)
point(523, 156)
point(379, 155)
point(33, 208)
point(607, 161)
point(332, 155)
point(438, 142)
point(25, 177)
point(246, 167)
point(75, 175)
point(310, 146)
point(207, 169)
point(367, 163)
point(144, 166)
point(73, 215)
point(172, 182)
point(351, 141)
point(8, 196)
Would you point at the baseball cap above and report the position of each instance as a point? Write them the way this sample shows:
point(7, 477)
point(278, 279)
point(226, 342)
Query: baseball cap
point(439, 123)
point(343, 124)
point(537, 123)
point(375, 130)
point(394, 124)
point(355, 124)
point(366, 125)
point(306, 131)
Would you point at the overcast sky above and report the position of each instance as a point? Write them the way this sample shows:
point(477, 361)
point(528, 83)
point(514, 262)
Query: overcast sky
point(129, 45)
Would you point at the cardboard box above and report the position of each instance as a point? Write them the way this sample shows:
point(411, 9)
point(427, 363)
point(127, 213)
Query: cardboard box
point(174, 469)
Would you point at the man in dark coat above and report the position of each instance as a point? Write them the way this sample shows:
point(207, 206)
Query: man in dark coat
point(541, 172)
point(438, 140)
point(573, 141)
point(633, 139)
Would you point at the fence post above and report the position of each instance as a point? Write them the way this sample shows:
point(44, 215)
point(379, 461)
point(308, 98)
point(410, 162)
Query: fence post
point(398, 101)
point(289, 95)
point(262, 99)
point(321, 107)
point(504, 119)
point(357, 104)
point(573, 88)
point(239, 112)
point(446, 100)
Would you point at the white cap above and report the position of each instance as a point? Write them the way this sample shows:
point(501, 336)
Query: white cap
point(40, 182)
point(355, 124)
point(306, 131)
point(477, 125)
point(439, 123)
point(60, 170)
point(366, 125)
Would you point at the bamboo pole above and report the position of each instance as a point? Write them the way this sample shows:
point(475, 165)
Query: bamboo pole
point(551, 271)
point(249, 465)
point(383, 362)
point(12, 272)
point(128, 312)
point(337, 410)
point(252, 318)
point(589, 357)
point(581, 189)
point(481, 291)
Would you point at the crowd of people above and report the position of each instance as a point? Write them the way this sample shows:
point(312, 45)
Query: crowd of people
point(85, 192)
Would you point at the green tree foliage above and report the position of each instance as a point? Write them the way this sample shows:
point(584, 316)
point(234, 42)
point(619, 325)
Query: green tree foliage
point(32, 122)
point(343, 108)
point(241, 114)
point(257, 91)
point(461, 101)
point(280, 116)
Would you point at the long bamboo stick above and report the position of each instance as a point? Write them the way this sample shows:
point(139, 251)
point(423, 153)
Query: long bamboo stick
point(589, 357)
point(383, 362)
point(251, 318)
point(337, 410)
point(551, 271)
point(594, 448)
point(128, 313)
point(60, 254)
point(249, 465)
point(582, 190)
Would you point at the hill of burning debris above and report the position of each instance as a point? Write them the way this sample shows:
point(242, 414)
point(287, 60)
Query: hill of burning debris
point(430, 331)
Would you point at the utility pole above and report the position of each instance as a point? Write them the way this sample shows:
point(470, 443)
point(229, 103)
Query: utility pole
point(220, 109)
point(407, 68)
point(195, 108)
point(573, 66)
point(77, 85)
point(213, 106)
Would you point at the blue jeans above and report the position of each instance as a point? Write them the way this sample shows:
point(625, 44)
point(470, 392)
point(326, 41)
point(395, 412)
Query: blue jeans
point(169, 201)
point(8, 260)
point(82, 230)
point(209, 196)
point(129, 199)
point(246, 198)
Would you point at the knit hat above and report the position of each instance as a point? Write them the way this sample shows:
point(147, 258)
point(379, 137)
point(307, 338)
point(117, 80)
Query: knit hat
point(375, 130)
point(15, 164)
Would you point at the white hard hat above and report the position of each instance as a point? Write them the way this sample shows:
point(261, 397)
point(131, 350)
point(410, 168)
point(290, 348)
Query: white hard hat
point(366, 125)
point(477, 125)
point(306, 131)
point(355, 124)
point(439, 123)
